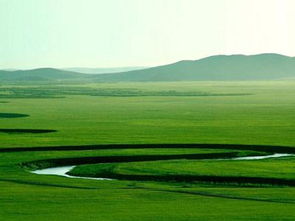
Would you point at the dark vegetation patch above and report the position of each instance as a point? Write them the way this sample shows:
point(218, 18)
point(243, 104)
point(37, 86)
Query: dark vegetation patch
point(176, 178)
point(41, 164)
point(27, 92)
point(12, 115)
point(262, 148)
point(233, 180)
point(61, 91)
point(3, 102)
point(26, 131)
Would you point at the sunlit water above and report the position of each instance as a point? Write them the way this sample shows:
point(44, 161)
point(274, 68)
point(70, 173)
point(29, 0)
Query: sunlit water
point(62, 171)
point(276, 155)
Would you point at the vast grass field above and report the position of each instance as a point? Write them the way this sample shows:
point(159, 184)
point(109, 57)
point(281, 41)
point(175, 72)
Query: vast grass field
point(174, 132)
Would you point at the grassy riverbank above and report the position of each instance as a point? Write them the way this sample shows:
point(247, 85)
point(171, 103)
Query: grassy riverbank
point(260, 113)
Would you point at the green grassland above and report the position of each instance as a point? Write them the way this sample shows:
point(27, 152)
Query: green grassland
point(266, 117)
point(282, 168)
point(81, 118)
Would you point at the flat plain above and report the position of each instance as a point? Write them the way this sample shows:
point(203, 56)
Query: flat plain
point(175, 129)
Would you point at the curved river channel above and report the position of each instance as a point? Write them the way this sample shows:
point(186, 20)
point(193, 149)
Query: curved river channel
point(62, 171)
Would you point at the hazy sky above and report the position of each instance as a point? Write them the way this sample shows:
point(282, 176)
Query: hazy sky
point(112, 33)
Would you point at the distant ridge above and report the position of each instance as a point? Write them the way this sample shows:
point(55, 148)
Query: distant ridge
point(40, 74)
point(214, 68)
point(102, 70)
point(219, 67)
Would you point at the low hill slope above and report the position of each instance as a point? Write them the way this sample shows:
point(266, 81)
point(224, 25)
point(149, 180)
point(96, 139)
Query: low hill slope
point(221, 67)
point(41, 74)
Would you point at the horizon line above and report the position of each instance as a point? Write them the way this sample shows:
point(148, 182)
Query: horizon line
point(139, 66)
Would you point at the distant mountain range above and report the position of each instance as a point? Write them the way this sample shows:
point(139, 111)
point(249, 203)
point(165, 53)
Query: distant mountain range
point(41, 74)
point(102, 70)
point(214, 68)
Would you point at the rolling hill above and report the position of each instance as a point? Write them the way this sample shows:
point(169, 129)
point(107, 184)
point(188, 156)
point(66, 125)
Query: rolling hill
point(214, 68)
point(102, 70)
point(41, 74)
point(221, 67)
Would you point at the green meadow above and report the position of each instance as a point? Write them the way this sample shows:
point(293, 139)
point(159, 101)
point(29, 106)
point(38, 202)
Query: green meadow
point(265, 115)
point(166, 146)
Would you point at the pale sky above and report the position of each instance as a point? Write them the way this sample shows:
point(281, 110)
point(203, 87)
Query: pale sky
point(117, 33)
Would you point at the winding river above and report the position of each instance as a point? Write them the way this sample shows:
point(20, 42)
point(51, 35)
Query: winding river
point(62, 171)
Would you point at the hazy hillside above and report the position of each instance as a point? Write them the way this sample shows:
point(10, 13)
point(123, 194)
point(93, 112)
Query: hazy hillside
point(221, 67)
point(102, 70)
point(42, 74)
